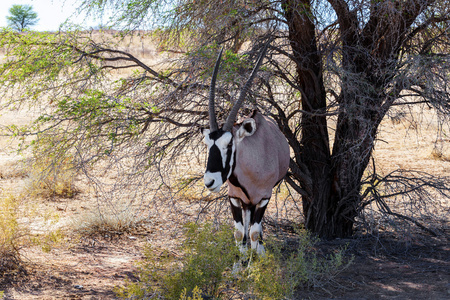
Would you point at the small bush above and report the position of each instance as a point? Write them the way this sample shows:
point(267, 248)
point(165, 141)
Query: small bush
point(204, 272)
point(209, 254)
point(48, 240)
point(11, 234)
point(16, 233)
point(281, 272)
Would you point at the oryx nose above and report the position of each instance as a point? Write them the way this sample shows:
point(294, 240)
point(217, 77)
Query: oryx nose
point(209, 184)
point(213, 181)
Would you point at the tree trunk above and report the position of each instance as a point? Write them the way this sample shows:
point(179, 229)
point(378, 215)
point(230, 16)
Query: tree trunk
point(314, 152)
point(331, 204)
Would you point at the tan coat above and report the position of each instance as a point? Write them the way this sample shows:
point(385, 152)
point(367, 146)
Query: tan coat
point(262, 159)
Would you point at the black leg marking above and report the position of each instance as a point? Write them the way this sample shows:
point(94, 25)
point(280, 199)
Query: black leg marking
point(258, 211)
point(240, 234)
point(256, 228)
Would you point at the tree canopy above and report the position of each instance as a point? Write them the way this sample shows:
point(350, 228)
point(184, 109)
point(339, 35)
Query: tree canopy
point(333, 71)
point(22, 17)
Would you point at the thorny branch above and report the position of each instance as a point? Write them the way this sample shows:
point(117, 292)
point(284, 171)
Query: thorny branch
point(404, 183)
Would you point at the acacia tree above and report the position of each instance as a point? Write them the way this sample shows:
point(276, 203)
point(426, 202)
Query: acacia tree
point(347, 62)
point(22, 17)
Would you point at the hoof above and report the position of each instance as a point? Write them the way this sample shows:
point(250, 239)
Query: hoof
point(260, 250)
point(237, 268)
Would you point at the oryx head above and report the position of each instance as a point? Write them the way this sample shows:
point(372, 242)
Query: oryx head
point(222, 142)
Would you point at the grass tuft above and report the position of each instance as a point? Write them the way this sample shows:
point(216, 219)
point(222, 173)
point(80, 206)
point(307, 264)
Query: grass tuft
point(437, 154)
point(49, 178)
point(107, 222)
point(51, 168)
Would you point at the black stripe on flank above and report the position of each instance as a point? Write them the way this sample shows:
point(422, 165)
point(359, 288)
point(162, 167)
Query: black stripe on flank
point(234, 181)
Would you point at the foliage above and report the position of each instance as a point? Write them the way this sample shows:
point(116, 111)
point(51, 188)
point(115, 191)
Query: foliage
point(196, 294)
point(205, 269)
point(208, 254)
point(280, 273)
point(21, 17)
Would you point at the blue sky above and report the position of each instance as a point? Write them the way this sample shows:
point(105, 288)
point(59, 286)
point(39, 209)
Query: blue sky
point(51, 13)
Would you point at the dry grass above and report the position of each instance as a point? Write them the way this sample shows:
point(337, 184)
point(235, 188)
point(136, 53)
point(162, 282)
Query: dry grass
point(48, 178)
point(411, 143)
point(12, 169)
point(438, 154)
point(94, 222)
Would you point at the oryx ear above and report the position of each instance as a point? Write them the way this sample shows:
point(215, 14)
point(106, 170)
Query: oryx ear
point(206, 139)
point(248, 128)
point(204, 131)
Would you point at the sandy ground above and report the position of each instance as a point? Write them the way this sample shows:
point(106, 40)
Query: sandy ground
point(384, 268)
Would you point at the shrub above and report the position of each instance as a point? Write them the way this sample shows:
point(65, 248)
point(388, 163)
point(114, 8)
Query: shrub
point(204, 272)
point(48, 240)
point(208, 255)
point(282, 271)
point(16, 233)
point(11, 234)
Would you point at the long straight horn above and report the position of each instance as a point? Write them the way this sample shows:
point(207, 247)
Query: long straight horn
point(232, 117)
point(212, 90)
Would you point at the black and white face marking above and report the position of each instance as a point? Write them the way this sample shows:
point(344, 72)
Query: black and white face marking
point(220, 158)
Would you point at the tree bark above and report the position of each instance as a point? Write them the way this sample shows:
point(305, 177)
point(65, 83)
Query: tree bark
point(314, 142)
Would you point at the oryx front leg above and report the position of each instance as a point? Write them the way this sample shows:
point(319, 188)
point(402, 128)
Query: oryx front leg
point(256, 228)
point(241, 220)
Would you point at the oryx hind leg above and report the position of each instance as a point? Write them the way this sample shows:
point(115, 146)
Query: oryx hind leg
point(256, 228)
point(241, 222)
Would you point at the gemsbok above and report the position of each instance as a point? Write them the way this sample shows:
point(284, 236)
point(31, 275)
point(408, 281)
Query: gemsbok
point(252, 156)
